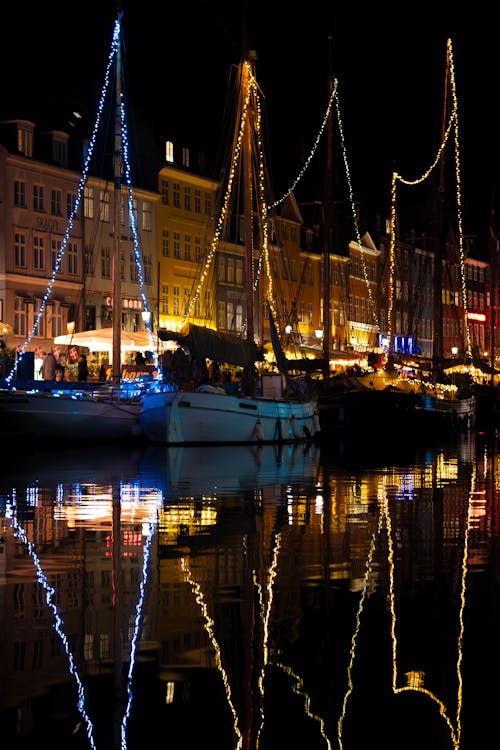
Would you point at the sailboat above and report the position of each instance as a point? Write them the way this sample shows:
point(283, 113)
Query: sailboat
point(266, 409)
point(383, 401)
point(82, 411)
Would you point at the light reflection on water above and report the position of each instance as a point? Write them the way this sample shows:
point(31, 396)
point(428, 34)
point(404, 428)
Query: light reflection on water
point(250, 598)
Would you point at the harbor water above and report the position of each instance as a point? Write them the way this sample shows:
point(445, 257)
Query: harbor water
point(319, 596)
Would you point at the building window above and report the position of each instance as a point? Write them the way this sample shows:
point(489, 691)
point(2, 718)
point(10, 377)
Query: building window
point(177, 245)
point(221, 314)
point(38, 198)
point(88, 202)
point(105, 263)
point(104, 205)
point(72, 258)
point(147, 263)
point(134, 271)
point(177, 195)
point(20, 316)
point(164, 299)
point(197, 201)
point(88, 261)
point(56, 203)
point(229, 316)
point(147, 216)
point(38, 253)
point(239, 318)
point(40, 331)
point(20, 249)
point(25, 141)
point(187, 247)
point(55, 247)
point(177, 300)
point(169, 152)
point(185, 157)
point(197, 249)
point(20, 194)
point(239, 272)
point(165, 244)
point(70, 204)
point(165, 195)
point(187, 198)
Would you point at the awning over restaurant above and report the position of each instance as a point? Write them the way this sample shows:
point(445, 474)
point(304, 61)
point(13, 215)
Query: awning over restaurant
point(101, 340)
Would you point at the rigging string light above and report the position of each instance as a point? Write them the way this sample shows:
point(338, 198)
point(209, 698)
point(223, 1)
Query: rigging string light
point(250, 101)
point(116, 41)
point(51, 600)
point(126, 491)
point(208, 625)
point(452, 124)
point(335, 97)
point(415, 678)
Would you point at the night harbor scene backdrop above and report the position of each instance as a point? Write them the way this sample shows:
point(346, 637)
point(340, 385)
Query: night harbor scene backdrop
point(249, 379)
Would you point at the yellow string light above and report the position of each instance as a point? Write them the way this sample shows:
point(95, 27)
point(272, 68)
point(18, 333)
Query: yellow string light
point(452, 126)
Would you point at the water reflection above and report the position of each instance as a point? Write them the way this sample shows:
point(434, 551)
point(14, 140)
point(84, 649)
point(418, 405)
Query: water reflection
point(243, 598)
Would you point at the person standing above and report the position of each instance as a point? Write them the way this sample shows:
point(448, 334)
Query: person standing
point(83, 368)
point(49, 366)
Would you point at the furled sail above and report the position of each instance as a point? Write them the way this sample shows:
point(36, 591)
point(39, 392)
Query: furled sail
point(221, 346)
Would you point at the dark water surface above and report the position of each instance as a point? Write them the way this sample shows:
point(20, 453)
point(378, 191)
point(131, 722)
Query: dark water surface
point(308, 597)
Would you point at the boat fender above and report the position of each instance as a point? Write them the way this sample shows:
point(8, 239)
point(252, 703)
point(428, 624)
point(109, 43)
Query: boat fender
point(295, 429)
point(277, 430)
point(259, 432)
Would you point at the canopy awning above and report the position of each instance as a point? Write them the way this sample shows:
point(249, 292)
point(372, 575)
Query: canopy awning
point(101, 340)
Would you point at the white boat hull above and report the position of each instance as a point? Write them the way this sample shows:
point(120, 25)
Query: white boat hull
point(68, 417)
point(200, 417)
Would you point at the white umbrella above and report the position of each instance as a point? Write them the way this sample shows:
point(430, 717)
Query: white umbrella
point(101, 340)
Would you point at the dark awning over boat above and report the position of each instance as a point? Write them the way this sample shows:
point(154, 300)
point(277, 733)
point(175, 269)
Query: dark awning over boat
point(216, 345)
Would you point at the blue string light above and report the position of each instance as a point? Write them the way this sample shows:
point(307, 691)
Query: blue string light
point(116, 41)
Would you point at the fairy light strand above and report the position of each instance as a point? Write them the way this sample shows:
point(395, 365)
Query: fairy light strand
point(396, 177)
point(58, 622)
point(116, 41)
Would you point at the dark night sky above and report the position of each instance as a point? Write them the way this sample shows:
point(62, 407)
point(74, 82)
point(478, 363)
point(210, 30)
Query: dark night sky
point(390, 66)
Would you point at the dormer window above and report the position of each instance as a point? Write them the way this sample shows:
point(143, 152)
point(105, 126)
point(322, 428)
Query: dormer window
point(25, 140)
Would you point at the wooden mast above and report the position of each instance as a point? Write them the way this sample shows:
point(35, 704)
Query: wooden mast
point(328, 222)
point(493, 285)
point(117, 173)
point(439, 245)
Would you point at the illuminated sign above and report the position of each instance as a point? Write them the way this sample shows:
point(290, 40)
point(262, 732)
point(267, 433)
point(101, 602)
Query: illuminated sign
point(477, 316)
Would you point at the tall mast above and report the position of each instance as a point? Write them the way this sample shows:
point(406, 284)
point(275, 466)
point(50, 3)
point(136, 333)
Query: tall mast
point(493, 286)
point(117, 173)
point(246, 161)
point(440, 237)
point(247, 206)
point(328, 221)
